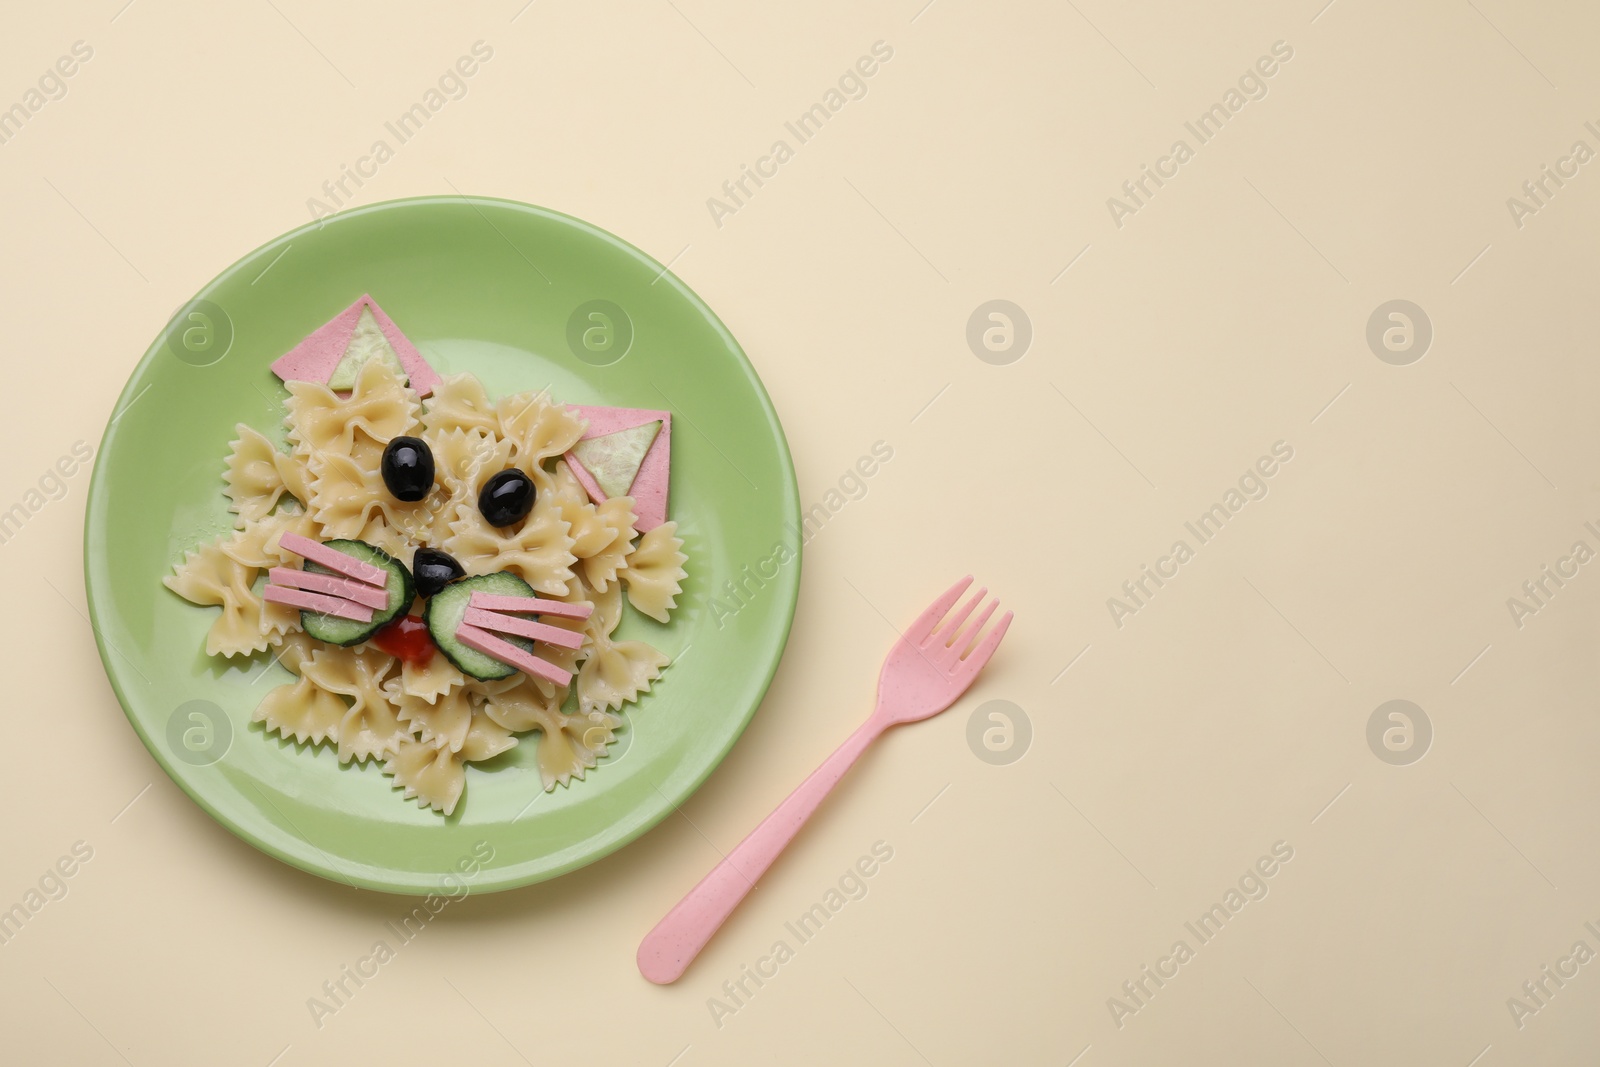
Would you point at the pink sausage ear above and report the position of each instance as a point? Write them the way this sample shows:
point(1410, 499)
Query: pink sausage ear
point(650, 486)
point(319, 355)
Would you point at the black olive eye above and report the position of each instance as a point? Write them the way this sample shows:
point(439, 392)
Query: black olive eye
point(434, 570)
point(506, 498)
point(408, 469)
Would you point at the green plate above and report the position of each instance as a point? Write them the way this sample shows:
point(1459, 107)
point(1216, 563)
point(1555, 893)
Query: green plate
point(524, 298)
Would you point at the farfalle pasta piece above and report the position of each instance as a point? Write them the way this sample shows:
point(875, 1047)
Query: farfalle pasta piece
point(276, 621)
point(355, 673)
point(209, 577)
point(482, 691)
point(429, 681)
point(654, 574)
point(600, 569)
point(379, 409)
point(616, 673)
point(367, 452)
point(344, 494)
point(430, 774)
point(602, 621)
point(296, 477)
point(371, 727)
point(569, 751)
point(522, 706)
point(568, 744)
point(372, 731)
point(254, 479)
point(590, 533)
point(485, 740)
point(539, 428)
point(415, 520)
point(459, 403)
point(293, 649)
point(350, 501)
point(380, 534)
point(538, 548)
point(250, 629)
point(465, 459)
point(303, 711)
point(444, 719)
point(258, 545)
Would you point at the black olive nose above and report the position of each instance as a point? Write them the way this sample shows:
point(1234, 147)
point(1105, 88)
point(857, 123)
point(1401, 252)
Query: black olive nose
point(434, 570)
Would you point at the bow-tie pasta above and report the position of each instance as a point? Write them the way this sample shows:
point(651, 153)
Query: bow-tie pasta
point(379, 409)
point(654, 574)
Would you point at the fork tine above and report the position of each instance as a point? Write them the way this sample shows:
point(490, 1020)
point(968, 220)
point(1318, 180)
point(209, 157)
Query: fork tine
point(919, 630)
point(980, 656)
point(960, 645)
point(948, 630)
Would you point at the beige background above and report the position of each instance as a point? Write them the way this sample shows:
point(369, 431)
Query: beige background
point(1167, 755)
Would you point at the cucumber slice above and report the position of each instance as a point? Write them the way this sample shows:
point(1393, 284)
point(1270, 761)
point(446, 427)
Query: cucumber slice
point(449, 606)
point(402, 591)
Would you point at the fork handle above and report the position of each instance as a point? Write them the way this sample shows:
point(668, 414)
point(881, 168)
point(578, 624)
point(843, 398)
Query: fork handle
point(677, 939)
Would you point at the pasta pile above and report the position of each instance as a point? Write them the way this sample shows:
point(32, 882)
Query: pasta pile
point(425, 724)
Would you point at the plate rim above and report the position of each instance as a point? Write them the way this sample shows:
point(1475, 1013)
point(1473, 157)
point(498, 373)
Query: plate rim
point(528, 872)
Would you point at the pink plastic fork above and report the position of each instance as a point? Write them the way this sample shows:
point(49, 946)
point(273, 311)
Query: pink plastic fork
point(924, 674)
